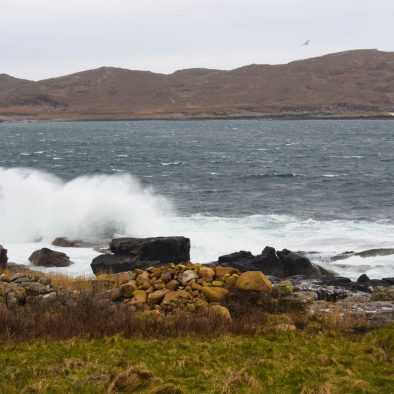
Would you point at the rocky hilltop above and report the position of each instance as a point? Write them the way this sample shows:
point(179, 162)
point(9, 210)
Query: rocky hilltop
point(357, 83)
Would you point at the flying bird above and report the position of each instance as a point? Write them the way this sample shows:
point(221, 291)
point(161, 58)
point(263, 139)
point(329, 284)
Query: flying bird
point(306, 42)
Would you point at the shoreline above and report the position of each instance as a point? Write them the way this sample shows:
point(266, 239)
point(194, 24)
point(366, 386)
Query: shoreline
point(271, 117)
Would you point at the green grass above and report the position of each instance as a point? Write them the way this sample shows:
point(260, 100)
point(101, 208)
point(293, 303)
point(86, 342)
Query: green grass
point(289, 362)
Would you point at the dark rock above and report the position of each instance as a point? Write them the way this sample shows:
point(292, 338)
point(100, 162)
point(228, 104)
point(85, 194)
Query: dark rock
point(342, 256)
point(49, 258)
point(236, 257)
point(335, 281)
point(67, 243)
point(111, 264)
point(363, 279)
point(296, 264)
point(280, 264)
point(365, 253)
point(389, 280)
point(3, 258)
point(162, 249)
point(375, 252)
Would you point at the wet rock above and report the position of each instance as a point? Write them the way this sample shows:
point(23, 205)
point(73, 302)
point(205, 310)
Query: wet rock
point(67, 243)
point(3, 258)
point(280, 264)
point(365, 253)
point(111, 264)
point(49, 258)
point(162, 249)
point(335, 281)
point(143, 253)
point(363, 279)
point(236, 257)
point(375, 252)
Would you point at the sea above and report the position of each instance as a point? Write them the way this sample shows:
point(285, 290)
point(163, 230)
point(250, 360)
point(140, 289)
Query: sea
point(320, 186)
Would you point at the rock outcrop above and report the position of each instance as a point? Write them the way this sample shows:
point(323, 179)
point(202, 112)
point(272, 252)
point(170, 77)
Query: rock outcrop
point(280, 264)
point(49, 258)
point(130, 253)
point(3, 258)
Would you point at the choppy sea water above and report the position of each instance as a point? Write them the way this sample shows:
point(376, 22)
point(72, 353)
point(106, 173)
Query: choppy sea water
point(324, 186)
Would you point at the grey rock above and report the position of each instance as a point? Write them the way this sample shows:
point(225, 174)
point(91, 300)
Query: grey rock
point(49, 258)
point(187, 276)
point(163, 249)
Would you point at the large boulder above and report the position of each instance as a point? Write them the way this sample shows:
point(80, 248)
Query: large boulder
point(281, 264)
point(3, 258)
point(131, 253)
point(254, 280)
point(163, 249)
point(49, 258)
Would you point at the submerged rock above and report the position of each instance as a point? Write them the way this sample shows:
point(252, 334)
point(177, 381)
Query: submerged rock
point(49, 258)
point(66, 243)
point(365, 253)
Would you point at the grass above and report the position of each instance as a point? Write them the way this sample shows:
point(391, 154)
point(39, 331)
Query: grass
point(86, 344)
point(289, 362)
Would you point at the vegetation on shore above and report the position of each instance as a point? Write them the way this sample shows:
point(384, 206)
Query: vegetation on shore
point(83, 342)
point(276, 362)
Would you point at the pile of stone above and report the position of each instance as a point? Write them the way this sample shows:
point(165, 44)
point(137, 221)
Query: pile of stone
point(191, 285)
point(24, 288)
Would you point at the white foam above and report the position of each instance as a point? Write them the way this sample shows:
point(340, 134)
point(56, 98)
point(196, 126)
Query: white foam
point(38, 206)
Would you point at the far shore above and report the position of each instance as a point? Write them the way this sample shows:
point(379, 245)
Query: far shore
point(268, 117)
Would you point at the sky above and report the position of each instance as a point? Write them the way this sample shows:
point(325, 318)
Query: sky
point(47, 38)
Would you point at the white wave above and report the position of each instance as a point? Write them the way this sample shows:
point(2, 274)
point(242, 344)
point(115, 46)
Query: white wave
point(35, 205)
point(174, 163)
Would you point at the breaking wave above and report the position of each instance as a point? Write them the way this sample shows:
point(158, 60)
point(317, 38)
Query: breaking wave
point(36, 205)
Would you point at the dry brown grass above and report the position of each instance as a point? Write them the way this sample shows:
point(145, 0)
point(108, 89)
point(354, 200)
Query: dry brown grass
point(80, 283)
point(343, 319)
point(234, 379)
point(132, 379)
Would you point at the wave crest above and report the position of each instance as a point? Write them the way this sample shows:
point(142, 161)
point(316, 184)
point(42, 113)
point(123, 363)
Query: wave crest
point(37, 205)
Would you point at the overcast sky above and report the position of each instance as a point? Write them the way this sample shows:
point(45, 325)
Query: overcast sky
point(45, 38)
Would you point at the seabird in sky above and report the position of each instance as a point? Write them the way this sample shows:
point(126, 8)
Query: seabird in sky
point(306, 42)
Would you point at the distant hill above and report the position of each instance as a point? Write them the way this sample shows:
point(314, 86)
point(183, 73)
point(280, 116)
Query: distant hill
point(346, 84)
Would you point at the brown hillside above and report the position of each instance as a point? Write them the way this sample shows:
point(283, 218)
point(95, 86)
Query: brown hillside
point(352, 83)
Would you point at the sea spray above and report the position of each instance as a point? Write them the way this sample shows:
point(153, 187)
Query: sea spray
point(35, 205)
